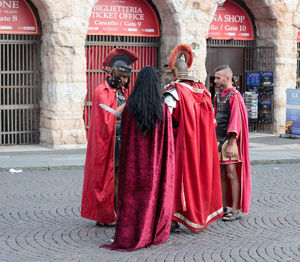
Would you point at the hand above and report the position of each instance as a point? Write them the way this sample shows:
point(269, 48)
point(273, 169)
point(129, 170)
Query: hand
point(229, 150)
point(121, 108)
point(230, 147)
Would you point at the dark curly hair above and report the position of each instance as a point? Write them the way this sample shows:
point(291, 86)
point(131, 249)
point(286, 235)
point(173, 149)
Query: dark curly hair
point(145, 101)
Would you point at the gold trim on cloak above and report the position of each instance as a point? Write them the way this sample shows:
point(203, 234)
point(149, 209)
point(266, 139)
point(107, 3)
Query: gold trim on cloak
point(197, 226)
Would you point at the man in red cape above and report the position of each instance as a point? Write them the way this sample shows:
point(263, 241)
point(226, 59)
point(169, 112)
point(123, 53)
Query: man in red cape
point(197, 195)
point(232, 134)
point(102, 156)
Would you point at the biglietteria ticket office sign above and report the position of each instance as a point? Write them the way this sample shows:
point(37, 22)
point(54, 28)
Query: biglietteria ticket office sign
point(124, 18)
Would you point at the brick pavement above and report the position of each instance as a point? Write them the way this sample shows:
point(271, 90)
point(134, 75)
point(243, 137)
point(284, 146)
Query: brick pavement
point(40, 221)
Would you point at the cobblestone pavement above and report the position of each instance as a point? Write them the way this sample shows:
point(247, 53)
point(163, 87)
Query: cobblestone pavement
point(40, 221)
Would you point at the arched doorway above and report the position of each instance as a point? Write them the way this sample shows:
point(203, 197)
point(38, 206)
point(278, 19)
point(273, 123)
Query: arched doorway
point(232, 40)
point(131, 24)
point(19, 73)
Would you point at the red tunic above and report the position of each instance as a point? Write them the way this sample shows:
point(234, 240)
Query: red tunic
point(198, 195)
point(98, 184)
point(238, 123)
point(146, 184)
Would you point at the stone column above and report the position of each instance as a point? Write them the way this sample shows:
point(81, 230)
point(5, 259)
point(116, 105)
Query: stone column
point(285, 62)
point(186, 22)
point(64, 78)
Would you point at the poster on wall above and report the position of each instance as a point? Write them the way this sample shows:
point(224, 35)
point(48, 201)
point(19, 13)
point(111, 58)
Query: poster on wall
point(292, 125)
point(231, 21)
point(253, 81)
point(266, 83)
point(125, 18)
point(17, 17)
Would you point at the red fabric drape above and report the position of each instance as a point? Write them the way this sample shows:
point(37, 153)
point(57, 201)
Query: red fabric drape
point(146, 183)
point(98, 185)
point(198, 195)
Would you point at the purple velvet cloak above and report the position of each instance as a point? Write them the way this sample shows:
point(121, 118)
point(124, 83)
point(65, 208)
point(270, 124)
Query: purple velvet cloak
point(146, 185)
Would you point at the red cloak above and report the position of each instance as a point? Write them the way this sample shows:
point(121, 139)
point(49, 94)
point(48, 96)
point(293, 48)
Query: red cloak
point(146, 184)
point(238, 123)
point(198, 195)
point(98, 184)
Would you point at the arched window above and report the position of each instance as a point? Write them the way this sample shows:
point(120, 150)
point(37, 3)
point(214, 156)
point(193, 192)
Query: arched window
point(132, 24)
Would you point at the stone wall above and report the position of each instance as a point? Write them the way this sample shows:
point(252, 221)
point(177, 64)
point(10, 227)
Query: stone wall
point(64, 27)
point(186, 22)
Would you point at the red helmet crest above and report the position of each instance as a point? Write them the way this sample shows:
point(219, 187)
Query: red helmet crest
point(120, 54)
point(178, 51)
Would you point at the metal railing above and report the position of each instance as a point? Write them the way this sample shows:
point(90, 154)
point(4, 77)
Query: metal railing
point(20, 89)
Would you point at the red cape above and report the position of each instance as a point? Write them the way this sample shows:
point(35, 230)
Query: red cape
point(98, 184)
point(238, 124)
point(198, 195)
point(146, 184)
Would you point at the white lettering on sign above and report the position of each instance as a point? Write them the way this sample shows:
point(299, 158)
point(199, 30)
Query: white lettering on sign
point(213, 27)
point(129, 23)
point(243, 28)
point(97, 22)
point(231, 28)
point(9, 4)
point(117, 8)
point(104, 15)
point(131, 16)
point(218, 18)
point(234, 18)
point(5, 19)
point(114, 12)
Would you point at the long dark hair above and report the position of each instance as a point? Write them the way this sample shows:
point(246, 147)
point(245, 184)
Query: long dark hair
point(145, 101)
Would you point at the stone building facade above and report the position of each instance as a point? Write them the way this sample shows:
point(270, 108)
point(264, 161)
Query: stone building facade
point(63, 63)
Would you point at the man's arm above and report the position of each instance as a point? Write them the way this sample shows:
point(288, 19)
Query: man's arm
point(171, 98)
point(230, 146)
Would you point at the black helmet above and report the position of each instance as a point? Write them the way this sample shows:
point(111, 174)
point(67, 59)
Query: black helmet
point(120, 60)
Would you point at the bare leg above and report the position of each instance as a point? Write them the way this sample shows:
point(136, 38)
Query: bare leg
point(235, 185)
point(224, 185)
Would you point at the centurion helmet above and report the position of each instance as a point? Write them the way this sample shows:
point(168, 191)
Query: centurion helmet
point(180, 60)
point(120, 60)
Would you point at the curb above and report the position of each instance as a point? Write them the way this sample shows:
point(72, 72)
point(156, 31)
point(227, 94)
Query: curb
point(45, 168)
point(67, 167)
point(275, 161)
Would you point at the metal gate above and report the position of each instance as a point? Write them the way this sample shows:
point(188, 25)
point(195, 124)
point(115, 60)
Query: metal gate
point(98, 47)
point(20, 89)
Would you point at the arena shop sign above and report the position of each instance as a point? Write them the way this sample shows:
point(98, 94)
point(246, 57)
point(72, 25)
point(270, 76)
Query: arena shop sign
point(17, 17)
point(124, 18)
point(231, 21)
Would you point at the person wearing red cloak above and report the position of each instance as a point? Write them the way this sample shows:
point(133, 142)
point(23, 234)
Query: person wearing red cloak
point(103, 148)
point(232, 135)
point(147, 168)
point(197, 194)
